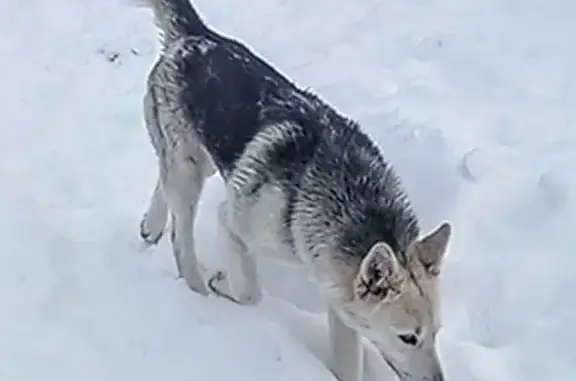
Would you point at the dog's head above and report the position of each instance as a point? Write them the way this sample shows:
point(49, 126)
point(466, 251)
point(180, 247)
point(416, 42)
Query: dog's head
point(399, 304)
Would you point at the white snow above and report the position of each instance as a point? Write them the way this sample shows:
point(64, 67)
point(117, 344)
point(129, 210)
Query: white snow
point(433, 81)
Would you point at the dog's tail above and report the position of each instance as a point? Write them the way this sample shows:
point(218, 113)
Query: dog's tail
point(175, 19)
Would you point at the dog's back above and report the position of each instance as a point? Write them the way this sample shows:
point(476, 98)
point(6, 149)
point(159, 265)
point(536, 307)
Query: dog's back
point(224, 92)
point(260, 129)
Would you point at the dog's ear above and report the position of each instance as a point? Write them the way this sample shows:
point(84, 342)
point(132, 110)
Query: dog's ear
point(378, 277)
point(430, 249)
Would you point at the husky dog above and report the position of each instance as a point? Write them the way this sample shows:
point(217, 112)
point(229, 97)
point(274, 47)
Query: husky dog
point(302, 181)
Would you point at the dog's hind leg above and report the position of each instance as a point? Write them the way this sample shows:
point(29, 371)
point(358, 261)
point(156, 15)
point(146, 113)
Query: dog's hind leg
point(154, 220)
point(242, 269)
point(183, 174)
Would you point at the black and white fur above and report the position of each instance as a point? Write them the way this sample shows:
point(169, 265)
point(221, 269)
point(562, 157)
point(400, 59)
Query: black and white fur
point(302, 181)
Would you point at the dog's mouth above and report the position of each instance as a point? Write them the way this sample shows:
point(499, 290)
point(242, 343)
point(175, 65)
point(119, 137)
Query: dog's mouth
point(402, 375)
point(405, 376)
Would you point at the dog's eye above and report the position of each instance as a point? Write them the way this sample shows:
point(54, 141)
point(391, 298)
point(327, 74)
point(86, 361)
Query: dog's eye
point(408, 339)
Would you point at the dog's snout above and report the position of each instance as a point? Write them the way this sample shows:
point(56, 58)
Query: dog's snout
point(438, 377)
point(410, 377)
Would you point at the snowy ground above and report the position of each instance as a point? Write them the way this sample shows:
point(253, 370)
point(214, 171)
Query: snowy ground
point(492, 81)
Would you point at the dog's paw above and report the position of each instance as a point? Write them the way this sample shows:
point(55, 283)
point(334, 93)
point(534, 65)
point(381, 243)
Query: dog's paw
point(150, 236)
point(198, 288)
point(219, 278)
point(249, 297)
point(193, 279)
point(197, 285)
